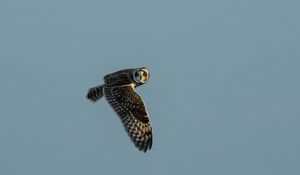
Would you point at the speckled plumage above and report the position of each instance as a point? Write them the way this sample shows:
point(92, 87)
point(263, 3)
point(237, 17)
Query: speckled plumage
point(120, 94)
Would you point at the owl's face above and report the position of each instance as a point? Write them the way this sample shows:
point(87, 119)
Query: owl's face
point(141, 75)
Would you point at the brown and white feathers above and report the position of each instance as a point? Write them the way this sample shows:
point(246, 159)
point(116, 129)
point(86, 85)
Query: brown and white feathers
point(120, 94)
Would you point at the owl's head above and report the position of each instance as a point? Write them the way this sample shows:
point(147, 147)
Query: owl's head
point(141, 75)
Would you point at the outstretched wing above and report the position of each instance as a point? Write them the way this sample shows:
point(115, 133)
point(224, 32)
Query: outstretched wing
point(131, 109)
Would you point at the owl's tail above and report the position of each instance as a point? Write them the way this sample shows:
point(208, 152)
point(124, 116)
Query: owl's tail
point(95, 93)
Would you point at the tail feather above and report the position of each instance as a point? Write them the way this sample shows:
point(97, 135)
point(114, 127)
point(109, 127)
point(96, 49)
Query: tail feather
point(95, 93)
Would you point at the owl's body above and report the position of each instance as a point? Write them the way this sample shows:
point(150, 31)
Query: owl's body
point(118, 89)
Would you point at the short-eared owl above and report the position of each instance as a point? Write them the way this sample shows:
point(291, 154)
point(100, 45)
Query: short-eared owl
point(118, 89)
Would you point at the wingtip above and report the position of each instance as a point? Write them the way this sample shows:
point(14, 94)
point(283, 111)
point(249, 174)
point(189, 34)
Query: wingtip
point(94, 93)
point(89, 97)
point(146, 147)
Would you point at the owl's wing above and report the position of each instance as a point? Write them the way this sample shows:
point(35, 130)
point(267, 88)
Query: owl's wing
point(131, 109)
point(95, 93)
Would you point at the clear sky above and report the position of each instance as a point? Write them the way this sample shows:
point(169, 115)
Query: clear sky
point(223, 95)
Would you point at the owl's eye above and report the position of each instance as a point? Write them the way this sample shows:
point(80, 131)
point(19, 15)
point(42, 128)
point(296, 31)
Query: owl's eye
point(144, 74)
point(140, 76)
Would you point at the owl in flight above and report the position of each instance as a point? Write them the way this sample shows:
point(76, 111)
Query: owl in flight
point(118, 89)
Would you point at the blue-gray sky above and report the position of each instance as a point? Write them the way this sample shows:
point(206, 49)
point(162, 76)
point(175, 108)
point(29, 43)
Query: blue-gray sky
point(223, 95)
